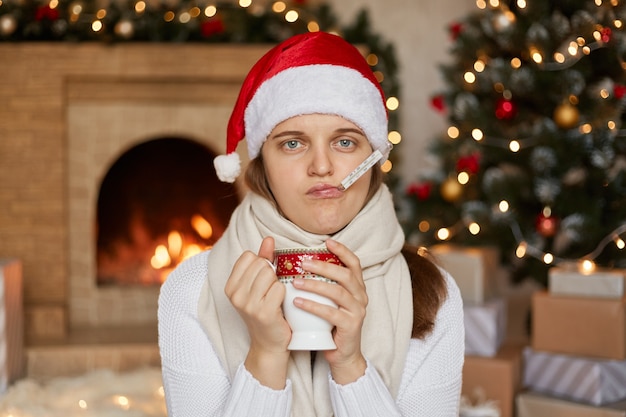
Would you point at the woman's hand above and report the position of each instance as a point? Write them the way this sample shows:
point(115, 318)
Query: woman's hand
point(257, 295)
point(347, 363)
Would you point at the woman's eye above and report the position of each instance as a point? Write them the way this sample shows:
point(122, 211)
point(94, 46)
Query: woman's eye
point(292, 144)
point(345, 143)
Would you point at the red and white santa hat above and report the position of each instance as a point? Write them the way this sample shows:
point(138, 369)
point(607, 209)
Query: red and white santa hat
point(308, 73)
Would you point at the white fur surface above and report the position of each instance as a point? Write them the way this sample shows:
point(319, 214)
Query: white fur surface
point(101, 393)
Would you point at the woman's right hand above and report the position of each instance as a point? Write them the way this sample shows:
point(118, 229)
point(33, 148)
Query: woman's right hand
point(257, 295)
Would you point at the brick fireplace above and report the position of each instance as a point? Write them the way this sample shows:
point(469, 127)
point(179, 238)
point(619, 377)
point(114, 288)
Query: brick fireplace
point(67, 111)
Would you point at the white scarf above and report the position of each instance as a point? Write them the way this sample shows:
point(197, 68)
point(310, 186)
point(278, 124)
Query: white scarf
point(375, 236)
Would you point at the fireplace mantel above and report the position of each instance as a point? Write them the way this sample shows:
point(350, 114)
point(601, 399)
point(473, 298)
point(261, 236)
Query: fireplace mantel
point(60, 100)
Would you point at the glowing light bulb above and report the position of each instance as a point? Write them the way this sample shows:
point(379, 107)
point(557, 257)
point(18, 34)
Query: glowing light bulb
point(514, 146)
point(184, 17)
point(372, 59)
point(443, 234)
point(291, 16)
point(587, 266)
point(394, 137)
point(477, 134)
point(479, 65)
point(393, 103)
point(210, 11)
point(463, 178)
point(572, 48)
point(474, 228)
point(453, 132)
point(619, 242)
point(548, 258)
point(386, 166)
point(279, 6)
point(503, 206)
point(313, 27)
point(469, 77)
point(520, 252)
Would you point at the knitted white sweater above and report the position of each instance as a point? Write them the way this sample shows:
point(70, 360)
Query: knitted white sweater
point(197, 385)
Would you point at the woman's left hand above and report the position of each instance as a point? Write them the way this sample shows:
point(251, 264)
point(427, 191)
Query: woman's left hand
point(346, 362)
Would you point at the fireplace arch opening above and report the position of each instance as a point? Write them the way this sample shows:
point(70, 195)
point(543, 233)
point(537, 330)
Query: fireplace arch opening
point(159, 203)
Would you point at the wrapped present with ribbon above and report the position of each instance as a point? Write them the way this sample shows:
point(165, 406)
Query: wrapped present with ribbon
point(577, 378)
point(579, 326)
point(531, 404)
point(604, 283)
point(476, 270)
point(485, 327)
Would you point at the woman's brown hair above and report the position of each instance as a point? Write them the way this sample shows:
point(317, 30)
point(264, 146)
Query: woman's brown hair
point(429, 289)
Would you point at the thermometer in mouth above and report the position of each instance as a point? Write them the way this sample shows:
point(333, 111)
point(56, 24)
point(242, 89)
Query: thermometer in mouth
point(364, 166)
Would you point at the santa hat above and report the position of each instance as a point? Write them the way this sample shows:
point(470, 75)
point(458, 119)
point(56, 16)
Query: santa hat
point(308, 73)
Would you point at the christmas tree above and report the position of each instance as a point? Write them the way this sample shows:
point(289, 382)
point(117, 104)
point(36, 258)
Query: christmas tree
point(534, 159)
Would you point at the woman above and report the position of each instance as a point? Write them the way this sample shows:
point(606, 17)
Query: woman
point(311, 111)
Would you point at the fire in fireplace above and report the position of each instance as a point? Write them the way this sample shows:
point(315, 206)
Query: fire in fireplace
point(159, 203)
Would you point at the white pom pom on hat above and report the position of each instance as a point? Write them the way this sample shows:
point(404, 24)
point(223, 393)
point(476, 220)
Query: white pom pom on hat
point(306, 74)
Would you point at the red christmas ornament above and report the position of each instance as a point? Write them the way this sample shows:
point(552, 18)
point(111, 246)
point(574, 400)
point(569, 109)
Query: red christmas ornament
point(455, 30)
point(505, 109)
point(619, 91)
point(469, 163)
point(212, 27)
point(438, 103)
point(420, 190)
point(606, 35)
point(546, 226)
point(47, 13)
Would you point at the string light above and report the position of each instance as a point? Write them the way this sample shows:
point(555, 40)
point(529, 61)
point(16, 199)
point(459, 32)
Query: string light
point(523, 249)
point(392, 103)
point(587, 266)
point(477, 134)
point(453, 132)
point(469, 77)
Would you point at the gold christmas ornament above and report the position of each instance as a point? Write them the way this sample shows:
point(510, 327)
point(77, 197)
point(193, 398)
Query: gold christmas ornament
point(451, 190)
point(566, 116)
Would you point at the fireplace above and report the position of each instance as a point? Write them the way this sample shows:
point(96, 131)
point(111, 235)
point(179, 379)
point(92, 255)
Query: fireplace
point(72, 112)
point(159, 203)
point(137, 148)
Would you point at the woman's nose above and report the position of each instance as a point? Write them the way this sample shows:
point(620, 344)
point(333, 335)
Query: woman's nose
point(321, 162)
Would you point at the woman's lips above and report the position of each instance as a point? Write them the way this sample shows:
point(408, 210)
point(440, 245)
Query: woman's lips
point(324, 191)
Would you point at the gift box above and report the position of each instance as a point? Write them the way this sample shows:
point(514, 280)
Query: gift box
point(498, 378)
point(530, 404)
point(593, 381)
point(11, 323)
point(605, 283)
point(485, 327)
point(475, 270)
point(581, 326)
